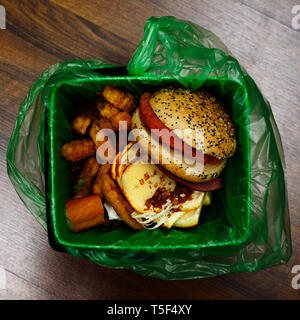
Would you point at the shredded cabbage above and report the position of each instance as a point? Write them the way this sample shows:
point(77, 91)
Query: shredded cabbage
point(148, 218)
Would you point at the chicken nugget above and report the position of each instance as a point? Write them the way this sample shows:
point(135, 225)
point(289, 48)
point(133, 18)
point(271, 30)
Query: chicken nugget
point(86, 176)
point(81, 123)
point(122, 207)
point(97, 185)
point(119, 98)
point(101, 137)
point(95, 131)
point(78, 149)
point(107, 110)
point(106, 152)
point(121, 116)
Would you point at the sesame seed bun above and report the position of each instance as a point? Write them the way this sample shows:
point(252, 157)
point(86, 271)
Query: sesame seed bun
point(180, 108)
point(171, 159)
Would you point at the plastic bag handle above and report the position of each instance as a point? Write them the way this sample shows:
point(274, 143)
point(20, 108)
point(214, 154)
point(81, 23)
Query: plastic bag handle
point(169, 47)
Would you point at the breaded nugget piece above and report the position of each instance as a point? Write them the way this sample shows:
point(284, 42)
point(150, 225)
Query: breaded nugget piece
point(122, 207)
point(81, 123)
point(121, 116)
point(78, 149)
point(107, 153)
point(97, 185)
point(86, 176)
point(101, 137)
point(99, 124)
point(120, 99)
point(107, 110)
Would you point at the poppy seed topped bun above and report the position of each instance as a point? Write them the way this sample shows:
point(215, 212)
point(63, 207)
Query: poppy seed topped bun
point(170, 158)
point(180, 108)
point(210, 132)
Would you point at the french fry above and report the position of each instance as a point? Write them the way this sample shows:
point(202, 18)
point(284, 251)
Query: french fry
point(123, 100)
point(122, 207)
point(86, 176)
point(97, 185)
point(78, 149)
point(84, 213)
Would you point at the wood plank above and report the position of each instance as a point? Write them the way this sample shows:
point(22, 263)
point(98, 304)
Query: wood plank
point(278, 10)
point(23, 290)
point(285, 290)
point(62, 33)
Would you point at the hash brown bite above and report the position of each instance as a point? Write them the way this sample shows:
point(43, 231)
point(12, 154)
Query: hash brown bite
point(78, 149)
point(121, 99)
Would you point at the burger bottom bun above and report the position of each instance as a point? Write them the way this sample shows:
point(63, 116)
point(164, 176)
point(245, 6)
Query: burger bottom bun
point(171, 159)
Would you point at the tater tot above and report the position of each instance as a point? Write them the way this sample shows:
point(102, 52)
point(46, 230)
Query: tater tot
point(81, 123)
point(107, 110)
point(121, 116)
point(78, 149)
point(99, 124)
point(120, 99)
point(100, 137)
point(86, 176)
point(106, 153)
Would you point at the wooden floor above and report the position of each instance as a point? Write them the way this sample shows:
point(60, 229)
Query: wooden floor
point(40, 33)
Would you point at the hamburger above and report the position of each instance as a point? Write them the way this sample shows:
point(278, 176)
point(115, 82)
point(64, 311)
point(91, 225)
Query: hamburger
point(175, 110)
point(171, 188)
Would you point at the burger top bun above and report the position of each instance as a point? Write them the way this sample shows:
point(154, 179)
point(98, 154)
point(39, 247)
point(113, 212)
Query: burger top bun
point(180, 108)
point(171, 159)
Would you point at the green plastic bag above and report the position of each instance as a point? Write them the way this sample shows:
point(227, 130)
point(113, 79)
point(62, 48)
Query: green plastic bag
point(246, 228)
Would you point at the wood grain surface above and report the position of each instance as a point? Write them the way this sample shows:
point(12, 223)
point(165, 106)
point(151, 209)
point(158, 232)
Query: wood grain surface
point(40, 33)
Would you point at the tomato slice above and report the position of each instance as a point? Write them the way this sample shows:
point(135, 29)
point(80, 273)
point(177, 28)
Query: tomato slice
point(150, 119)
